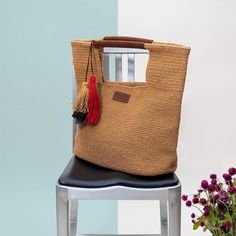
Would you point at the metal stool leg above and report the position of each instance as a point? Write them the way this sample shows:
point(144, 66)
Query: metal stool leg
point(174, 211)
point(73, 211)
point(62, 211)
point(164, 218)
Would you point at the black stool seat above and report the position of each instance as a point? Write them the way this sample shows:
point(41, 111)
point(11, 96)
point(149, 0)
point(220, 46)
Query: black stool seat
point(80, 173)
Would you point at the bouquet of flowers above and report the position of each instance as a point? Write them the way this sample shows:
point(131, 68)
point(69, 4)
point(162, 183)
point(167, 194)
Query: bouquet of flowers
point(215, 202)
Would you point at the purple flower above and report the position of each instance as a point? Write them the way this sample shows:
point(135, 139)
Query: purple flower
point(204, 184)
point(232, 171)
point(184, 197)
point(207, 208)
point(232, 190)
point(211, 187)
point(213, 176)
point(221, 206)
point(227, 177)
point(215, 202)
point(195, 200)
point(223, 229)
point(213, 181)
point(188, 203)
point(206, 211)
point(224, 199)
point(203, 201)
point(228, 224)
point(202, 224)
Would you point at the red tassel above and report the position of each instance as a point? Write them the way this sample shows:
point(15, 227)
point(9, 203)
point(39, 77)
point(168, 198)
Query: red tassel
point(93, 103)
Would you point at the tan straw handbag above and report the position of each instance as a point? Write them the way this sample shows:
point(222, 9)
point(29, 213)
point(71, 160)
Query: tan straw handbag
point(129, 126)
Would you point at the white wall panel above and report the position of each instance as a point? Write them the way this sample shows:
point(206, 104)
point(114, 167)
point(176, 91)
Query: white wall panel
point(138, 217)
point(208, 125)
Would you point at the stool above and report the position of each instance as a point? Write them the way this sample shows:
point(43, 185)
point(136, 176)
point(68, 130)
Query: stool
point(82, 180)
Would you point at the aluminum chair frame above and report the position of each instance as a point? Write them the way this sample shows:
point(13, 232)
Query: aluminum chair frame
point(67, 197)
point(67, 204)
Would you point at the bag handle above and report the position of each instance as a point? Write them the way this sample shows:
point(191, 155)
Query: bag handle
point(127, 38)
point(121, 42)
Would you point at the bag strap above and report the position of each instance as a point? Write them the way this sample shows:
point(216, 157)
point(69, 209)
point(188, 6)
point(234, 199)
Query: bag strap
point(121, 42)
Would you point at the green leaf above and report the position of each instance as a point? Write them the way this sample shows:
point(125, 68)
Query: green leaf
point(205, 229)
point(228, 217)
point(202, 218)
point(196, 225)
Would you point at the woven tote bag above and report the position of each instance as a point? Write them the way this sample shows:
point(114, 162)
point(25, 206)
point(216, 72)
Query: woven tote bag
point(137, 130)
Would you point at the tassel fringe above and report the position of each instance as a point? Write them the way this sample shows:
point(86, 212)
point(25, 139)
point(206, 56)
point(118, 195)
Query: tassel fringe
point(80, 107)
point(93, 103)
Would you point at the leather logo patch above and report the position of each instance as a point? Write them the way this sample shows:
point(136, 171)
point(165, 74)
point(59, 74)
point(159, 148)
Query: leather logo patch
point(121, 97)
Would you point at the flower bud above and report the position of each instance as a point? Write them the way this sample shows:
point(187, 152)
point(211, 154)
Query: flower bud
point(204, 184)
point(213, 176)
point(188, 203)
point(232, 171)
point(203, 201)
point(195, 200)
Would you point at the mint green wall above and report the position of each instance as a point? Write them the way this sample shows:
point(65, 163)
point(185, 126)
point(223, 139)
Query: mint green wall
point(35, 109)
